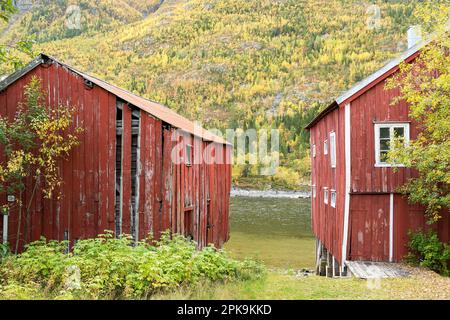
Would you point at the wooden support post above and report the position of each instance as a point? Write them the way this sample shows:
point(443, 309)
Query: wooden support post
point(323, 260)
point(329, 265)
point(318, 256)
point(336, 268)
point(333, 266)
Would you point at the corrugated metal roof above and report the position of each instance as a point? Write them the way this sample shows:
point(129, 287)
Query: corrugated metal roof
point(155, 109)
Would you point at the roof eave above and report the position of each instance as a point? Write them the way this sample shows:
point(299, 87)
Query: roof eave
point(43, 58)
point(20, 73)
point(364, 85)
point(334, 105)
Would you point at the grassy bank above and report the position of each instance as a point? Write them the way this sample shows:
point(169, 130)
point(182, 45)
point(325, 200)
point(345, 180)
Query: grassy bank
point(421, 285)
point(109, 268)
point(274, 231)
point(267, 183)
point(294, 177)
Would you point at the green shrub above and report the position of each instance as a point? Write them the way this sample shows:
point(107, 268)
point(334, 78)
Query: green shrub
point(426, 250)
point(115, 268)
point(4, 251)
point(42, 262)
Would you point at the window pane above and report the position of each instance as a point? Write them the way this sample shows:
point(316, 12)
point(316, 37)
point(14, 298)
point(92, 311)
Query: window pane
point(399, 132)
point(385, 145)
point(188, 155)
point(333, 149)
point(383, 156)
point(384, 133)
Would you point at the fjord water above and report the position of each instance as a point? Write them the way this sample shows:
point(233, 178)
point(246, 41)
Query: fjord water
point(275, 231)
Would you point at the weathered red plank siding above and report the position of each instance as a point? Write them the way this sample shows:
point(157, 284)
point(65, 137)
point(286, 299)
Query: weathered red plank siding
point(327, 221)
point(103, 156)
point(167, 182)
point(369, 225)
point(158, 204)
point(87, 204)
point(374, 106)
point(111, 192)
point(126, 170)
point(409, 217)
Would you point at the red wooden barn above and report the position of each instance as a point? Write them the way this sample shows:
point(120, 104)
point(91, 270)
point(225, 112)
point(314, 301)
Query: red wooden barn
point(122, 177)
point(357, 213)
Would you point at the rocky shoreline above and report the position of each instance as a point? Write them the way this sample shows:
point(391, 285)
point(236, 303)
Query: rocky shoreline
point(235, 192)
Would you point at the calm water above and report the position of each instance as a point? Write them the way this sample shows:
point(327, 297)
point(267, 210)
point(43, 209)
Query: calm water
point(276, 231)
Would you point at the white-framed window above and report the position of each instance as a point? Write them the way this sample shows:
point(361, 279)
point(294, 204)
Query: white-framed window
point(333, 149)
point(325, 147)
point(325, 195)
point(385, 134)
point(314, 191)
point(333, 198)
point(313, 150)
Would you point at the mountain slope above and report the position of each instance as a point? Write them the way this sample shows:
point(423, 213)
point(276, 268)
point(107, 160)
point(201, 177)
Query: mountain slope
point(46, 20)
point(231, 63)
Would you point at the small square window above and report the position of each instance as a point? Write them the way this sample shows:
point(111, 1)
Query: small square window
point(325, 195)
point(325, 147)
point(188, 159)
point(333, 198)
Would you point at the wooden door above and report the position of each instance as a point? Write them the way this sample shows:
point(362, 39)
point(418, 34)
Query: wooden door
point(369, 228)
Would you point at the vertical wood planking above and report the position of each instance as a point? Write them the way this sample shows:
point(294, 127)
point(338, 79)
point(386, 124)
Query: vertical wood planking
point(88, 214)
point(157, 217)
point(95, 161)
point(149, 174)
point(88, 192)
point(75, 102)
point(167, 180)
point(126, 170)
point(103, 156)
point(144, 154)
point(112, 136)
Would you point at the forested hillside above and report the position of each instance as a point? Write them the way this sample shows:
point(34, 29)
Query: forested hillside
point(228, 63)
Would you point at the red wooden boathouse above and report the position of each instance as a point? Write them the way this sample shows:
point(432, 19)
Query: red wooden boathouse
point(122, 177)
point(357, 213)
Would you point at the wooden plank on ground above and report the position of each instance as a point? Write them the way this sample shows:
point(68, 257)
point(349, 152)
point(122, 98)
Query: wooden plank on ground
point(374, 270)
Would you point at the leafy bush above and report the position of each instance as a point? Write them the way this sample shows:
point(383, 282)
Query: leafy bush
point(112, 268)
point(426, 250)
point(4, 251)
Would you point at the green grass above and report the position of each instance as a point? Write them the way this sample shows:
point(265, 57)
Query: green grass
point(277, 232)
point(278, 286)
